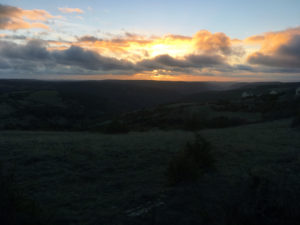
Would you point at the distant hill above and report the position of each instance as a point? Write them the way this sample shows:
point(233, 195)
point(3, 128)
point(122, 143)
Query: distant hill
point(235, 91)
point(113, 95)
point(69, 105)
point(36, 104)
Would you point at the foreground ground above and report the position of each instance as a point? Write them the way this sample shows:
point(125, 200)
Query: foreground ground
point(91, 178)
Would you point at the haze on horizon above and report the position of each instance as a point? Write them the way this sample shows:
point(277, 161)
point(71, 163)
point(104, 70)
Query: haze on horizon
point(170, 40)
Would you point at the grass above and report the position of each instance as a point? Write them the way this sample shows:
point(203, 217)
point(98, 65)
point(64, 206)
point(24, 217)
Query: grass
point(188, 116)
point(91, 178)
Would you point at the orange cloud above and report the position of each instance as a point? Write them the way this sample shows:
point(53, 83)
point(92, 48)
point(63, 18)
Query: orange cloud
point(71, 10)
point(208, 42)
point(13, 18)
point(255, 39)
point(236, 41)
point(135, 47)
point(278, 49)
point(20, 24)
point(270, 41)
point(36, 14)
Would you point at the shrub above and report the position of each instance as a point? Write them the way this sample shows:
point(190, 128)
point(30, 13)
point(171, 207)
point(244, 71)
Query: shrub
point(15, 209)
point(266, 200)
point(189, 163)
point(265, 196)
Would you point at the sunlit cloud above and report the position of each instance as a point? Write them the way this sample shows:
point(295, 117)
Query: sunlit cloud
point(278, 49)
point(270, 41)
point(174, 45)
point(71, 10)
point(14, 18)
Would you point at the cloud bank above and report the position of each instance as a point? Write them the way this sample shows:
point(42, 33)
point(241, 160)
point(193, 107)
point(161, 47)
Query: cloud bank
point(202, 54)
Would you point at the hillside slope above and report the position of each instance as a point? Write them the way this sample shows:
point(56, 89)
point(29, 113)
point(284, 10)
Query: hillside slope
point(88, 178)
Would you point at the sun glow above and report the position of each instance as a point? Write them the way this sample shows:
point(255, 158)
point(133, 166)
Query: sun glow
point(171, 47)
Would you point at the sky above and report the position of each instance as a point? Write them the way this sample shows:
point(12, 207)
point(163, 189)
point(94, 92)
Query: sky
point(190, 40)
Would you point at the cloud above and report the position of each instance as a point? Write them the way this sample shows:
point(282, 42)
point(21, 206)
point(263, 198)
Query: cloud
point(71, 10)
point(279, 49)
point(270, 41)
point(34, 57)
point(189, 64)
point(33, 50)
point(88, 38)
point(14, 18)
point(203, 54)
point(255, 39)
point(13, 37)
point(135, 47)
point(207, 42)
point(77, 56)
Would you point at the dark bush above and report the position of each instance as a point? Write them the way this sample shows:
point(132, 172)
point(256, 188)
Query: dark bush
point(266, 200)
point(189, 163)
point(15, 209)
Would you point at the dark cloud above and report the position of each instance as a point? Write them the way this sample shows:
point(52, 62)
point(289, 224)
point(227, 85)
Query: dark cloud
point(189, 61)
point(205, 60)
point(285, 56)
point(14, 37)
point(4, 64)
point(35, 58)
point(292, 48)
point(90, 60)
point(88, 38)
point(132, 35)
point(33, 50)
point(162, 62)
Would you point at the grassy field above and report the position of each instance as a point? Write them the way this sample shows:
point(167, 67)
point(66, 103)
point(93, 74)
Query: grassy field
point(91, 178)
point(87, 178)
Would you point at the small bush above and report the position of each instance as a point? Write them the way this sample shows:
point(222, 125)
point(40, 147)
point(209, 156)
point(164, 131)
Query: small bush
point(15, 209)
point(189, 163)
point(268, 200)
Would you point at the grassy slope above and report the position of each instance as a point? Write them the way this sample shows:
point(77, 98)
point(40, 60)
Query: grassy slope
point(84, 178)
point(89, 177)
point(260, 145)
